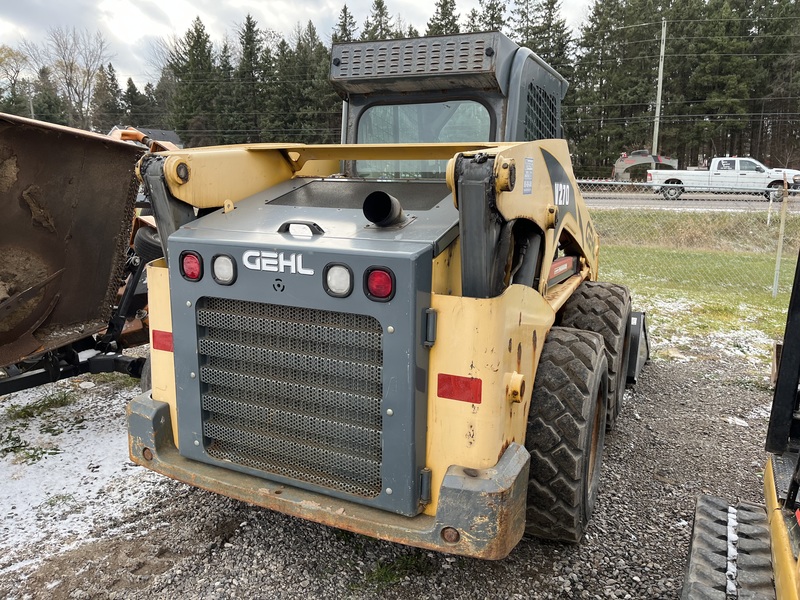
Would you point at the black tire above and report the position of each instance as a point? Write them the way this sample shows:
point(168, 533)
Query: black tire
point(146, 381)
point(672, 190)
point(605, 308)
point(566, 434)
point(715, 525)
point(147, 244)
point(775, 192)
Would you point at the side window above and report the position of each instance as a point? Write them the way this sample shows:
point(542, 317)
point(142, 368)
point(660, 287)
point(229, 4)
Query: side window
point(727, 164)
point(747, 165)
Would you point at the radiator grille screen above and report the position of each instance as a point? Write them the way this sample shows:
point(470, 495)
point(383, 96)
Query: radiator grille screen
point(293, 391)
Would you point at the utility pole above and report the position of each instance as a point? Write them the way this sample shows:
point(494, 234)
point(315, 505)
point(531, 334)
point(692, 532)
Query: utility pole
point(29, 89)
point(654, 151)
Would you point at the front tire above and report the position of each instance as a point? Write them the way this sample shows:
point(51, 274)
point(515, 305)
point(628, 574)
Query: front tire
point(775, 192)
point(566, 434)
point(146, 381)
point(605, 308)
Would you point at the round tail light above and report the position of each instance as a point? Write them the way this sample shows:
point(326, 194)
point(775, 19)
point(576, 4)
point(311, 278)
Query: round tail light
point(379, 284)
point(191, 266)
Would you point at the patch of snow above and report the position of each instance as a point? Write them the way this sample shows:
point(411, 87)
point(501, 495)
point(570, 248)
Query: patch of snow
point(760, 412)
point(56, 501)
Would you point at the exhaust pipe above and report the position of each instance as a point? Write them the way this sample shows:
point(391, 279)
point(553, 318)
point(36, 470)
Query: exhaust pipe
point(383, 210)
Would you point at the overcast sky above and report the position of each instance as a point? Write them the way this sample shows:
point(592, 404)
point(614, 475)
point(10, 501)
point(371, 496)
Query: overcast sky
point(131, 26)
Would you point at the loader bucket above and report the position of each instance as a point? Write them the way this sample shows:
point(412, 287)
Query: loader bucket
point(67, 200)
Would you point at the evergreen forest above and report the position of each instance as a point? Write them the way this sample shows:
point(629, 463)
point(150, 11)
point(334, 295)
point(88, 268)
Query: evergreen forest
point(731, 77)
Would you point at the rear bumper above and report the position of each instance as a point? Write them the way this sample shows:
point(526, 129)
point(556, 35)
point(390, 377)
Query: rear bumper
point(483, 510)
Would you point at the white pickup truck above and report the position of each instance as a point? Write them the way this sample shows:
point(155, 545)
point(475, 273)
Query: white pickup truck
point(725, 174)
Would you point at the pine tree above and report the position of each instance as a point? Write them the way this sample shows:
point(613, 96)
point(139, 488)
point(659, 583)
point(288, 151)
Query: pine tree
point(161, 97)
point(591, 102)
point(527, 27)
point(378, 25)
point(540, 27)
point(444, 20)
point(279, 123)
point(402, 30)
point(248, 82)
point(492, 15)
point(720, 80)
point(106, 104)
point(317, 102)
point(472, 21)
point(345, 29)
point(191, 61)
point(225, 104)
point(775, 129)
point(136, 106)
point(48, 105)
point(678, 136)
point(301, 105)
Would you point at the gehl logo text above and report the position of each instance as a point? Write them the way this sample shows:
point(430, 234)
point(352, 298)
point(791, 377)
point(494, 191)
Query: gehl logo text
point(275, 262)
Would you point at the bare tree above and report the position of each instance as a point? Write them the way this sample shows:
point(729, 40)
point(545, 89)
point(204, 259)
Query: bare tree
point(74, 57)
point(12, 65)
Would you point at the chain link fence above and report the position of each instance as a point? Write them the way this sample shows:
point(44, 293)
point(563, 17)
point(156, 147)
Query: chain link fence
point(733, 252)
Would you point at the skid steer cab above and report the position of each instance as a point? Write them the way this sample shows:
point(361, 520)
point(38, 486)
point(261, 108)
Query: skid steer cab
point(403, 335)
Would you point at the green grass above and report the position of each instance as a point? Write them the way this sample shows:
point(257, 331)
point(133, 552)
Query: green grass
point(39, 407)
point(119, 380)
point(59, 499)
point(12, 443)
point(699, 230)
point(693, 293)
point(409, 565)
point(701, 272)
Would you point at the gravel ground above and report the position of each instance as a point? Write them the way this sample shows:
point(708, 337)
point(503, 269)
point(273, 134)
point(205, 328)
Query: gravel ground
point(86, 523)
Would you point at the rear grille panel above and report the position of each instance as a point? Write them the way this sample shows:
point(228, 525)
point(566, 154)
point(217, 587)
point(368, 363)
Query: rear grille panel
point(294, 392)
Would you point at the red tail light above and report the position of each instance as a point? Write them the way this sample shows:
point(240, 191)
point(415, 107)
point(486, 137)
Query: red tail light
point(191, 266)
point(379, 284)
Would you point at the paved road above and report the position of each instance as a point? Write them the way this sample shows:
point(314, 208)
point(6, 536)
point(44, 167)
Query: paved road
point(636, 197)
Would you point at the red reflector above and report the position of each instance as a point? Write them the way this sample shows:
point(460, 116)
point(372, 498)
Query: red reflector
point(191, 266)
point(465, 389)
point(162, 340)
point(380, 284)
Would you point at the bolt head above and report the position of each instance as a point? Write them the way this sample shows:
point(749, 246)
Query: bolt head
point(450, 535)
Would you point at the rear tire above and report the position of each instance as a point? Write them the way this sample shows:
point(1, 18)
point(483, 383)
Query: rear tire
point(566, 434)
point(605, 308)
point(672, 189)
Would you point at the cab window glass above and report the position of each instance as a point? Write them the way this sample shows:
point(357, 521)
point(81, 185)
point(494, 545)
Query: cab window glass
point(433, 122)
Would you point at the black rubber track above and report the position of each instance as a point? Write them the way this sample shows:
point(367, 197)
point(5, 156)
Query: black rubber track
point(566, 434)
point(708, 568)
point(147, 244)
point(605, 308)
